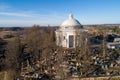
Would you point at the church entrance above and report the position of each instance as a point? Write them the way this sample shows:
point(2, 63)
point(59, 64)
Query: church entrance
point(71, 41)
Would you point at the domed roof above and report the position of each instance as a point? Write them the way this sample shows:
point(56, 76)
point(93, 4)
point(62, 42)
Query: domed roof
point(71, 23)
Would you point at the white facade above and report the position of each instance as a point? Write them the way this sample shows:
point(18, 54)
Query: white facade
point(66, 34)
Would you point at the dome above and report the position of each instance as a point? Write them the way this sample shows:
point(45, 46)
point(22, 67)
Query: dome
point(71, 23)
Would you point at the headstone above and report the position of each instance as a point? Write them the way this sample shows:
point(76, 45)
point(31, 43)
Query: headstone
point(106, 66)
point(111, 65)
point(107, 73)
point(103, 67)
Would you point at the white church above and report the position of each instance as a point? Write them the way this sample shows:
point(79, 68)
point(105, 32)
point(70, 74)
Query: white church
point(66, 34)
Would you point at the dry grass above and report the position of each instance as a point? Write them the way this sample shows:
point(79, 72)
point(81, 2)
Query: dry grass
point(7, 75)
point(97, 78)
point(3, 33)
point(2, 75)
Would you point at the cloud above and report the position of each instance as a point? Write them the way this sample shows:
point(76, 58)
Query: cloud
point(29, 18)
point(22, 23)
point(15, 14)
point(33, 14)
point(9, 16)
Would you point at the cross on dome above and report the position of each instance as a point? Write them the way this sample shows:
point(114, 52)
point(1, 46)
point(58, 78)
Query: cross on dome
point(71, 16)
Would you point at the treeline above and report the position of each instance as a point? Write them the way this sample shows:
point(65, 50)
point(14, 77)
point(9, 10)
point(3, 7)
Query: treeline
point(23, 28)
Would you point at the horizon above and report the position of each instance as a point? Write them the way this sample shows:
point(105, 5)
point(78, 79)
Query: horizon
point(54, 12)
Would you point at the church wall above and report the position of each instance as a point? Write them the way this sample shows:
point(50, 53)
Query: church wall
point(58, 38)
point(62, 38)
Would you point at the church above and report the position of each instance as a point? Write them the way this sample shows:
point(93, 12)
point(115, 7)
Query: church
point(66, 34)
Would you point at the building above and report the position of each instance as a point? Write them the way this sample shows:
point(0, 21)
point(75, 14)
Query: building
point(66, 34)
point(113, 45)
point(113, 41)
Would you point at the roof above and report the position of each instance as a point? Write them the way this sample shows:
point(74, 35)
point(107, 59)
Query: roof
point(71, 23)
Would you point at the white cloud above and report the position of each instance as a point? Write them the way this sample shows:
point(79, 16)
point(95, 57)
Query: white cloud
point(9, 23)
point(7, 10)
point(15, 14)
point(9, 16)
point(29, 18)
point(30, 14)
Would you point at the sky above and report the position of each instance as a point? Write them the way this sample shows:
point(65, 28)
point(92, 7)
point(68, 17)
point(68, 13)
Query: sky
point(53, 12)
